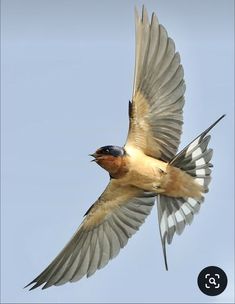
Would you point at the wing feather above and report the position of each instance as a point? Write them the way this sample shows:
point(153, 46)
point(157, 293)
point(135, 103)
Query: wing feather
point(110, 222)
point(156, 115)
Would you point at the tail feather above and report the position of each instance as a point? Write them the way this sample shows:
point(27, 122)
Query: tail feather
point(195, 141)
point(174, 213)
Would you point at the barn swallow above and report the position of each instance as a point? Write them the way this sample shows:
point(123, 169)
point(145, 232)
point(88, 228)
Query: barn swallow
point(147, 169)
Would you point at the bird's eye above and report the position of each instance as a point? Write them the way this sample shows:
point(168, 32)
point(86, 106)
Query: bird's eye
point(107, 150)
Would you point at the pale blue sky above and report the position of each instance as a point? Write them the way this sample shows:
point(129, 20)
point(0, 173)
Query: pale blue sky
point(67, 72)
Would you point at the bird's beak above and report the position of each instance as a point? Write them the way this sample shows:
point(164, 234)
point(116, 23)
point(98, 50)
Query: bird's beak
point(93, 155)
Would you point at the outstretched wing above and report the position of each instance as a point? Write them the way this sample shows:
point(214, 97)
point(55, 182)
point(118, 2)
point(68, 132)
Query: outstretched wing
point(156, 109)
point(108, 225)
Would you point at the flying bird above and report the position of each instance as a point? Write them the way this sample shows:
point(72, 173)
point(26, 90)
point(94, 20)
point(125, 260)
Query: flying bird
point(147, 169)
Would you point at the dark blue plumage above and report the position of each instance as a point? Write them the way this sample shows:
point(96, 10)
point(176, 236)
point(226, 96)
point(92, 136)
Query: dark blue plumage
point(111, 150)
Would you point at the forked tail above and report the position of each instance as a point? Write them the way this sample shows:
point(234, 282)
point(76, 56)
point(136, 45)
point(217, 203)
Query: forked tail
point(175, 213)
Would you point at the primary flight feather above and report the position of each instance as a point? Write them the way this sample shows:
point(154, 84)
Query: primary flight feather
point(146, 168)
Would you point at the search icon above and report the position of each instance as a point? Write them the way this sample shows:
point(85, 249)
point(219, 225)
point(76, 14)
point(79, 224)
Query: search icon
point(212, 281)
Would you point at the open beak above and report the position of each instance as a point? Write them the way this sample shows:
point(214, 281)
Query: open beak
point(95, 156)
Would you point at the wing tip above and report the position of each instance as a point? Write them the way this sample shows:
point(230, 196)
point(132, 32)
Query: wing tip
point(143, 17)
point(136, 14)
point(154, 20)
point(36, 285)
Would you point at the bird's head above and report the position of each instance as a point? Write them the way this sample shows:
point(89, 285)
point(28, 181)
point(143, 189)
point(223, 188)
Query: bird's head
point(111, 158)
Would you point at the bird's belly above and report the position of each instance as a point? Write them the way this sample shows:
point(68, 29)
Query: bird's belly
point(148, 182)
point(148, 177)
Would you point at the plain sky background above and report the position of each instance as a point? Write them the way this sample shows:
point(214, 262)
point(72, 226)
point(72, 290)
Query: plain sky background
point(67, 72)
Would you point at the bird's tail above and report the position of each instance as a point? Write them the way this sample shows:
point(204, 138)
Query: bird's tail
point(175, 213)
point(195, 158)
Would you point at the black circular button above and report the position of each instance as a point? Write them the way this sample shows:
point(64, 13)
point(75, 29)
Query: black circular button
point(212, 281)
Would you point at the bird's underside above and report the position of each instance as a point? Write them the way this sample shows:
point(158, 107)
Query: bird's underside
point(146, 168)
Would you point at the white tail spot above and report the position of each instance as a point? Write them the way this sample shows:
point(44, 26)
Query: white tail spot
point(192, 146)
point(201, 172)
point(200, 162)
point(192, 202)
point(179, 216)
point(197, 152)
point(170, 221)
point(185, 209)
point(200, 181)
